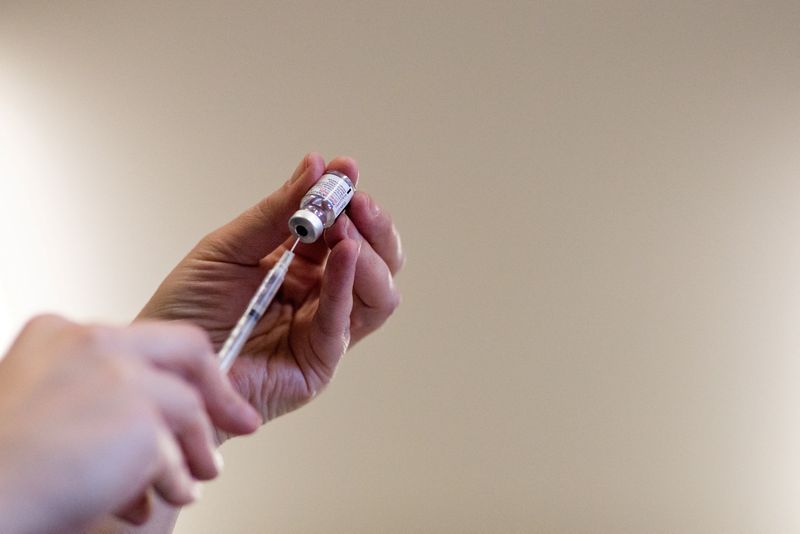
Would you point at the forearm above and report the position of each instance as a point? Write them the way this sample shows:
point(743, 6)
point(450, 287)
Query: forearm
point(162, 521)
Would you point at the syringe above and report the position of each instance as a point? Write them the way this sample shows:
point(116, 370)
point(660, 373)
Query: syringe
point(255, 310)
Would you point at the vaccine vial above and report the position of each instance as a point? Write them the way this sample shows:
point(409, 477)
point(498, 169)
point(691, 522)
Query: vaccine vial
point(321, 205)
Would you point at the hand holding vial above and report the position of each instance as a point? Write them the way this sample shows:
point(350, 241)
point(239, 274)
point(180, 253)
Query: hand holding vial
point(339, 288)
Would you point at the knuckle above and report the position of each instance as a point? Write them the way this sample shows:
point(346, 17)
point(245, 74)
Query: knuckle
point(197, 336)
point(46, 321)
point(211, 246)
point(144, 431)
point(371, 204)
point(384, 219)
point(198, 342)
point(267, 208)
point(143, 424)
point(353, 163)
point(401, 258)
point(193, 401)
point(199, 426)
point(394, 302)
point(210, 372)
point(118, 373)
point(91, 338)
point(132, 412)
point(188, 406)
point(366, 324)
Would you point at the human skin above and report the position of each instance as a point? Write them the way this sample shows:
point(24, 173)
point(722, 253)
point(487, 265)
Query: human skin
point(338, 290)
point(94, 418)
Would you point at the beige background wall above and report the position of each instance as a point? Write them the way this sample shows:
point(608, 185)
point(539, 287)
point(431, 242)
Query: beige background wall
point(599, 202)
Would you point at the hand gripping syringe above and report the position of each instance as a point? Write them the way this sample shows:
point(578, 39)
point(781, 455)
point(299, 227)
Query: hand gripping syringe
point(255, 310)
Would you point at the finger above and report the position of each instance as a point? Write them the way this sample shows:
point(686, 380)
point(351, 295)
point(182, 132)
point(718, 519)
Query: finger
point(376, 226)
point(376, 294)
point(300, 168)
point(172, 481)
point(184, 413)
point(345, 165)
point(137, 512)
point(330, 328)
point(186, 350)
point(257, 231)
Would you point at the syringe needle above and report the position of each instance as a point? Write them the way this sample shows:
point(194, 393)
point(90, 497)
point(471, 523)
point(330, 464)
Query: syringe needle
point(296, 241)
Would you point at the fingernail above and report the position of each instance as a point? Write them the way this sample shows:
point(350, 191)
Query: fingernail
point(219, 462)
point(196, 491)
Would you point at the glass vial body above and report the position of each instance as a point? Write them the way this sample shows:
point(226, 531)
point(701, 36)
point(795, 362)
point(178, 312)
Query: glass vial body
point(321, 205)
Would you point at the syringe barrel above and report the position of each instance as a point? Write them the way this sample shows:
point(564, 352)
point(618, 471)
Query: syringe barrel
point(272, 282)
point(255, 310)
point(236, 340)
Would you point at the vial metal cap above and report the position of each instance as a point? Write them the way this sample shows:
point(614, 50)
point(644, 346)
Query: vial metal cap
point(306, 225)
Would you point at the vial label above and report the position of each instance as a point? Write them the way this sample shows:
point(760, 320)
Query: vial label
point(335, 190)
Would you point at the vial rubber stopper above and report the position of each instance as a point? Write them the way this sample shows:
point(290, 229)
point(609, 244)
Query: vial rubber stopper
point(306, 225)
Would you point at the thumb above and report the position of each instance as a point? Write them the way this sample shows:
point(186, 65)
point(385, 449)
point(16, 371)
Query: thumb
point(259, 230)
